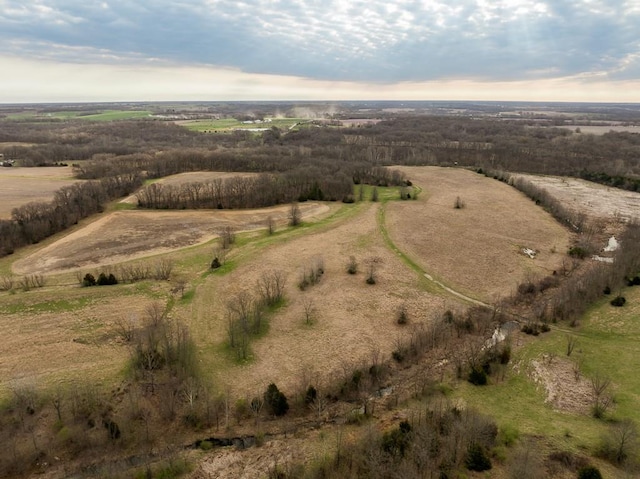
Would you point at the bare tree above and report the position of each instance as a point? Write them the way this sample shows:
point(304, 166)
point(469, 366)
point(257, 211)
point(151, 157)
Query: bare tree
point(621, 442)
point(162, 269)
point(601, 398)
point(572, 341)
point(310, 311)
point(271, 287)
point(227, 237)
point(271, 225)
point(295, 216)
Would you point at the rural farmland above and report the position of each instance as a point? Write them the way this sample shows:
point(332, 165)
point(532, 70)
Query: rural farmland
point(314, 294)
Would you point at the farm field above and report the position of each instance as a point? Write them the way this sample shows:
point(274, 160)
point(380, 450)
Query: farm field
point(476, 249)
point(126, 235)
point(596, 201)
point(353, 320)
point(19, 186)
point(230, 124)
point(427, 258)
point(101, 115)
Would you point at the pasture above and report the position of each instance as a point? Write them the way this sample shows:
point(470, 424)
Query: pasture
point(476, 249)
point(426, 255)
point(353, 321)
point(97, 115)
point(230, 124)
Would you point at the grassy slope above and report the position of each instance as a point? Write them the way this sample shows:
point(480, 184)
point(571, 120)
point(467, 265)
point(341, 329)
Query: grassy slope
point(608, 343)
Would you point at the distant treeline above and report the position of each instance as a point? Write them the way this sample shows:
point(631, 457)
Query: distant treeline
point(35, 221)
point(497, 144)
point(266, 189)
point(319, 162)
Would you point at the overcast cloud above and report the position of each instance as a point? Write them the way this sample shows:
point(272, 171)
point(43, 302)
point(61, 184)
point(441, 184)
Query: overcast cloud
point(356, 42)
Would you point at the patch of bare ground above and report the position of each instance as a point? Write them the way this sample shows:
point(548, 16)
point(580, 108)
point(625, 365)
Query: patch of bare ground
point(125, 235)
point(19, 186)
point(353, 321)
point(594, 200)
point(476, 249)
point(46, 341)
point(566, 389)
point(192, 177)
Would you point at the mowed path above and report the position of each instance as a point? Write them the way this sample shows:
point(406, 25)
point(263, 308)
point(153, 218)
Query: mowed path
point(476, 250)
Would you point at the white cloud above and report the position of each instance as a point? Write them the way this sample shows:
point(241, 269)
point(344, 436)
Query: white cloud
point(368, 41)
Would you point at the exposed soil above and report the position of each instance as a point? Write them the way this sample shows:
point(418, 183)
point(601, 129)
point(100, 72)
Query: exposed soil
point(566, 390)
point(478, 249)
point(19, 186)
point(125, 235)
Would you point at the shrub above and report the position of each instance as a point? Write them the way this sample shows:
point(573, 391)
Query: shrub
point(104, 280)
point(398, 355)
point(478, 377)
point(589, 472)
point(606, 291)
point(578, 252)
point(276, 401)
point(352, 265)
point(206, 445)
point(397, 442)
point(508, 435)
point(618, 301)
point(88, 280)
point(477, 459)
point(403, 317)
point(215, 264)
point(310, 396)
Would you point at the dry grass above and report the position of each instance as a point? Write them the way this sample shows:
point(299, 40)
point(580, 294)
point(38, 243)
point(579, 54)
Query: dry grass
point(354, 319)
point(125, 235)
point(19, 186)
point(48, 339)
point(476, 249)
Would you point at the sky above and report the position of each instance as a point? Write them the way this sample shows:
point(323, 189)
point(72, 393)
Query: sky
point(493, 50)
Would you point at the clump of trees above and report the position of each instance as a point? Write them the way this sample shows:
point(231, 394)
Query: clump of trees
point(312, 274)
point(445, 441)
point(247, 315)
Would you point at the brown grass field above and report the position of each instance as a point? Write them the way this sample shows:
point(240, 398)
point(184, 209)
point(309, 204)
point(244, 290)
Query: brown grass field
point(353, 321)
point(476, 249)
point(19, 186)
point(63, 333)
